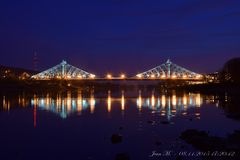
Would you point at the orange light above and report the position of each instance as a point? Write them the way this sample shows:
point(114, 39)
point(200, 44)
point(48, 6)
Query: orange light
point(92, 76)
point(199, 76)
point(123, 102)
point(109, 76)
point(185, 100)
point(139, 76)
point(123, 76)
point(140, 101)
point(174, 100)
point(163, 76)
point(152, 76)
point(163, 101)
point(109, 101)
point(174, 76)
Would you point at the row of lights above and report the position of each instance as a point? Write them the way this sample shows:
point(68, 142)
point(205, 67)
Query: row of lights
point(123, 76)
point(108, 76)
point(173, 76)
point(92, 76)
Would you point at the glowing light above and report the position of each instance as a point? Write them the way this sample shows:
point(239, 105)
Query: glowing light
point(69, 100)
point(47, 100)
point(79, 76)
point(174, 100)
point(79, 103)
point(163, 76)
point(35, 100)
point(92, 76)
point(226, 98)
point(174, 76)
point(4, 103)
point(123, 101)
point(58, 77)
point(163, 101)
point(123, 76)
point(58, 102)
point(109, 101)
point(197, 114)
point(184, 76)
point(163, 114)
point(92, 104)
point(199, 76)
point(184, 113)
point(198, 100)
point(184, 100)
point(190, 100)
point(139, 76)
point(152, 76)
point(69, 77)
point(109, 76)
point(69, 104)
point(153, 100)
point(139, 101)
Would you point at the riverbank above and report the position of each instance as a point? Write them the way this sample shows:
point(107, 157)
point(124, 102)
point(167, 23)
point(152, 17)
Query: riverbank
point(58, 85)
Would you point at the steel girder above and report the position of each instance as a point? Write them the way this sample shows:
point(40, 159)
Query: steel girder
point(63, 71)
point(169, 70)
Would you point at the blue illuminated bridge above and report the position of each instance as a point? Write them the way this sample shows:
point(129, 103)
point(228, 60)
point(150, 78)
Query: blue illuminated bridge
point(165, 71)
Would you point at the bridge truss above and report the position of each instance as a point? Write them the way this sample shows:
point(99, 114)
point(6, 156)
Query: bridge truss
point(169, 70)
point(63, 71)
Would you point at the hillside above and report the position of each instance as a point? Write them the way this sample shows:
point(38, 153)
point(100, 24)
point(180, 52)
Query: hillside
point(15, 73)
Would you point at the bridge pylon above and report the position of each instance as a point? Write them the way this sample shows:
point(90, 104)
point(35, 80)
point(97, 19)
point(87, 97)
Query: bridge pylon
point(169, 70)
point(63, 71)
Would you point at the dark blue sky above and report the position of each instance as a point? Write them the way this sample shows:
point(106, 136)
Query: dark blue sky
point(102, 36)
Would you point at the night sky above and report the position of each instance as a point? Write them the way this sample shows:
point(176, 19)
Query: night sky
point(117, 36)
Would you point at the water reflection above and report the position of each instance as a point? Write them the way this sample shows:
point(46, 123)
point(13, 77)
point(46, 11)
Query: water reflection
point(66, 104)
point(139, 100)
point(123, 101)
point(6, 104)
point(146, 114)
point(170, 105)
point(79, 102)
point(109, 101)
point(92, 102)
point(166, 105)
point(63, 106)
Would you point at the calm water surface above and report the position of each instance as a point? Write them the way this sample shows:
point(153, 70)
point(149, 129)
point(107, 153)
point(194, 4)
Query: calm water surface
point(78, 125)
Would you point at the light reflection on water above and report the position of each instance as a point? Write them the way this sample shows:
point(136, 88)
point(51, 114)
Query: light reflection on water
point(143, 117)
point(64, 106)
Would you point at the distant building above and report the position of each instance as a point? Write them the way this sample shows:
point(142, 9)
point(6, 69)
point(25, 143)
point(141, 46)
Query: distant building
point(15, 73)
point(213, 77)
point(24, 76)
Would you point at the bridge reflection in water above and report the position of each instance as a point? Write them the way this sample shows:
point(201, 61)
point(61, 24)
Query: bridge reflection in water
point(64, 106)
point(166, 105)
point(170, 106)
